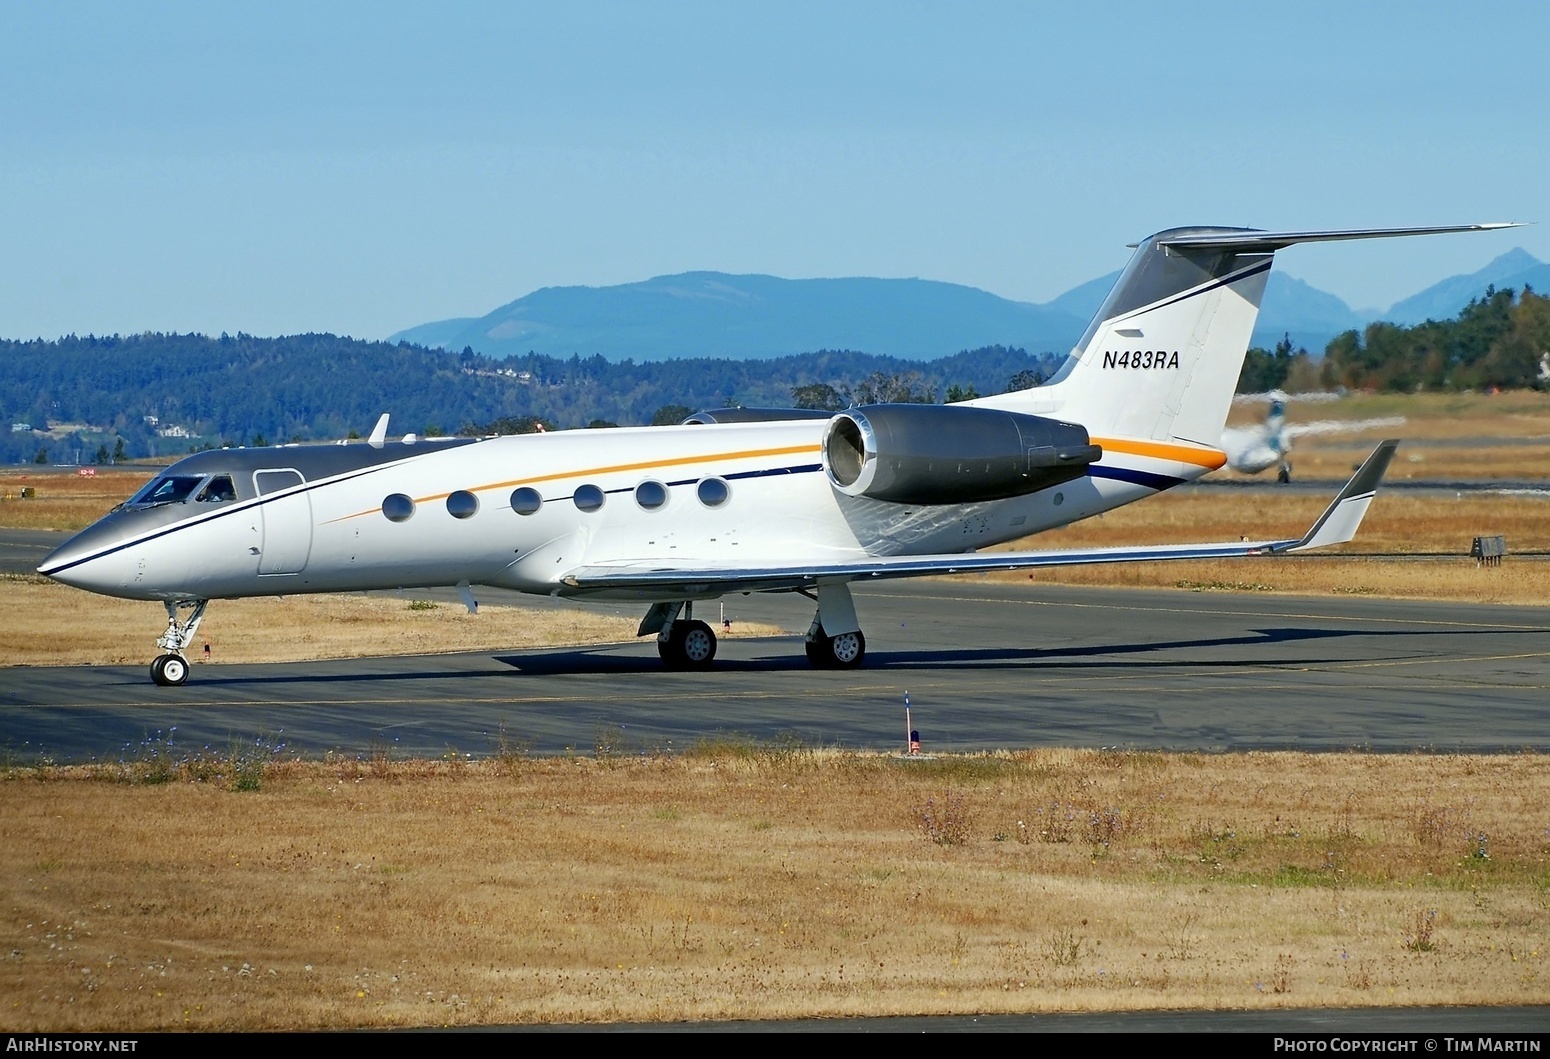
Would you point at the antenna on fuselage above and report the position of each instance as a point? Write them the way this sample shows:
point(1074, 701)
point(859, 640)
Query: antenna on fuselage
point(379, 432)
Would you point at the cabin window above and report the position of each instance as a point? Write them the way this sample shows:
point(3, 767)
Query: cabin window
point(462, 504)
point(526, 501)
point(169, 489)
point(651, 495)
point(713, 492)
point(589, 498)
point(397, 507)
point(218, 491)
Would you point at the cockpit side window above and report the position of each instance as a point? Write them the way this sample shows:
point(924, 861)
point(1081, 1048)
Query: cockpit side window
point(219, 490)
point(169, 489)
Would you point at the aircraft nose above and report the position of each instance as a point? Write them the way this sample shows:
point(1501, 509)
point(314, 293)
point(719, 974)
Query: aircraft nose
point(88, 560)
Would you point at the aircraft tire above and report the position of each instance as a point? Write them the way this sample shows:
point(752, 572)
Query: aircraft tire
point(844, 651)
point(174, 670)
point(169, 670)
point(691, 645)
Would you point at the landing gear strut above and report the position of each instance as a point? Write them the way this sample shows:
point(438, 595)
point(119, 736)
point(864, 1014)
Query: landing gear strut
point(835, 650)
point(171, 669)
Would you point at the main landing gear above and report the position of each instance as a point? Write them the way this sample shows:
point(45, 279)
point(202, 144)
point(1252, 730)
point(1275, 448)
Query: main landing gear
point(171, 669)
point(834, 640)
point(844, 651)
point(683, 642)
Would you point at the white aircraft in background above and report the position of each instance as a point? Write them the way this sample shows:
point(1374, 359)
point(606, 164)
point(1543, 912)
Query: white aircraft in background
point(1252, 449)
point(669, 516)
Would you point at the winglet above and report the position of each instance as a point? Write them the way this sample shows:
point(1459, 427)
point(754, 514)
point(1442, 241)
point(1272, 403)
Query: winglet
point(378, 433)
point(1343, 517)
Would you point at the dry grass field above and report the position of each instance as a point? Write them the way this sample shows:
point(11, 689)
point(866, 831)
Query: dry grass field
point(1452, 437)
point(62, 500)
point(745, 881)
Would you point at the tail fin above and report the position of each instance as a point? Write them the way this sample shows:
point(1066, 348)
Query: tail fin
point(1162, 357)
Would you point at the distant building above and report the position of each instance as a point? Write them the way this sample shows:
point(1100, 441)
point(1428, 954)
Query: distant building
point(21, 428)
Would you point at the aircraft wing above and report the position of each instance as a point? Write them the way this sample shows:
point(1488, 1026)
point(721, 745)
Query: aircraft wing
point(1336, 525)
point(1340, 426)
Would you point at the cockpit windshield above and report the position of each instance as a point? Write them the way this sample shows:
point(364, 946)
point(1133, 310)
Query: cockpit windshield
point(168, 489)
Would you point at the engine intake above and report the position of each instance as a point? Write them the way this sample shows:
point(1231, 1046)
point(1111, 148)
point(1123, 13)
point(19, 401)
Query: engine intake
point(942, 454)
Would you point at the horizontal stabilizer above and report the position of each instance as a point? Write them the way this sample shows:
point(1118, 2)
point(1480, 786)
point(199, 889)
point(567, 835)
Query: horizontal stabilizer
point(1249, 241)
point(689, 580)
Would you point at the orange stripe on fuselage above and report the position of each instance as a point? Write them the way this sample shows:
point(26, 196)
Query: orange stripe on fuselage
point(1210, 459)
point(644, 465)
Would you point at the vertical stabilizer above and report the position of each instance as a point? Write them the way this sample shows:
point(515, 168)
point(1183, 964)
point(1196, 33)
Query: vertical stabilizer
point(1161, 358)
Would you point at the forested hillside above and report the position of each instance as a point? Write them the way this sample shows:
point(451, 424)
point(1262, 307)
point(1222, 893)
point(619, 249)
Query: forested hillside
point(1499, 340)
point(93, 399)
point(157, 394)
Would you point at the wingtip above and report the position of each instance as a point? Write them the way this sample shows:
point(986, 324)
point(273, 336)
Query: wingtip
point(1340, 521)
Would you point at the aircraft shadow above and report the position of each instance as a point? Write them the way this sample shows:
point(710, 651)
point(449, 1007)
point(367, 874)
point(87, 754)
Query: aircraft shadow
point(579, 663)
point(611, 661)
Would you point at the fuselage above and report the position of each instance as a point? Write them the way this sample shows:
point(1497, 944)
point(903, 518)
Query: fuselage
point(520, 511)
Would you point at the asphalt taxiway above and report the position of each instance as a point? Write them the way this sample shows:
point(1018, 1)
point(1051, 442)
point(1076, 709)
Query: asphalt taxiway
point(985, 664)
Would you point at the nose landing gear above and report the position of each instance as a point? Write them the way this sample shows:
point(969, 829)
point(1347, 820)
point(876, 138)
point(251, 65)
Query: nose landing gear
point(171, 669)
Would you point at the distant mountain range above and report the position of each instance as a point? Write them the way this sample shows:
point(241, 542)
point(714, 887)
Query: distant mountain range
point(713, 314)
point(1440, 301)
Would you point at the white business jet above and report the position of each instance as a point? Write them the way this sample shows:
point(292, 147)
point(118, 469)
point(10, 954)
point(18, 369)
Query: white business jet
point(670, 516)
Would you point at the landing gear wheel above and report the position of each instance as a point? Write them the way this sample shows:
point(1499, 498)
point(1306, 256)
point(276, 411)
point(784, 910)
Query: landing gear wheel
point(690, 645)
point(844, 651)
point(170, 671)
point(847, 649)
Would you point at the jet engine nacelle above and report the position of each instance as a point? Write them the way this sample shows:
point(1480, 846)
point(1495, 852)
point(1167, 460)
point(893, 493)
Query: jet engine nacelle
point(945, 454)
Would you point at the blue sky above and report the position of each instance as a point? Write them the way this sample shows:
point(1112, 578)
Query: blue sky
point(360, 168)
